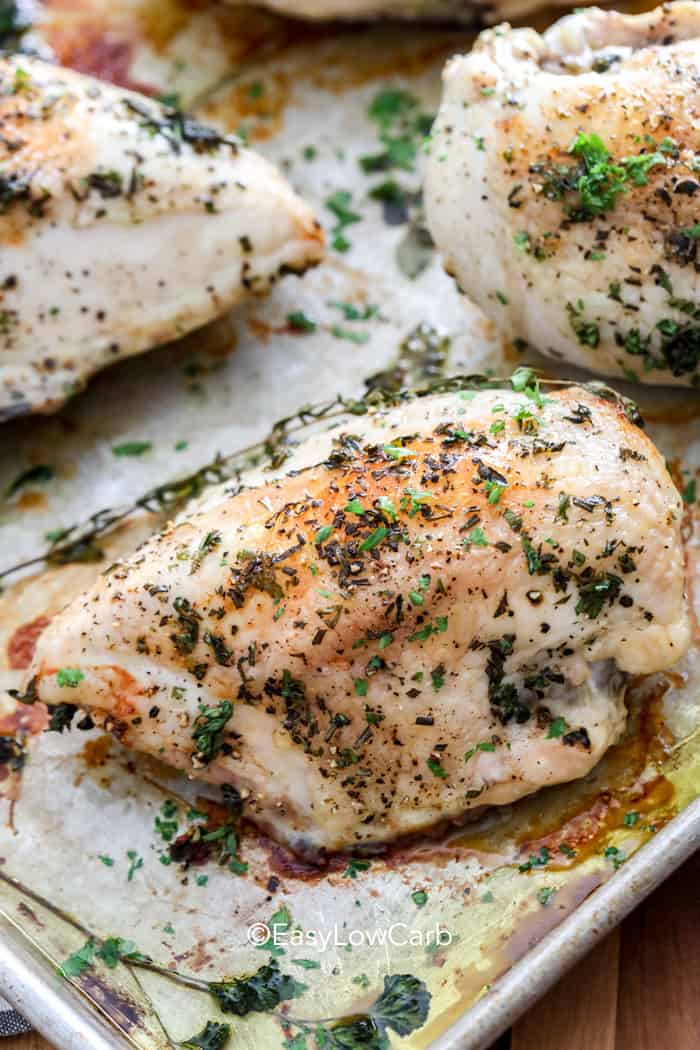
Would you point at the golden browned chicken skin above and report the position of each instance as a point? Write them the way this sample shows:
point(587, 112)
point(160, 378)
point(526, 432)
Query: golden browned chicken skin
point(123, 224)
point(563, 191)
point(426, 617)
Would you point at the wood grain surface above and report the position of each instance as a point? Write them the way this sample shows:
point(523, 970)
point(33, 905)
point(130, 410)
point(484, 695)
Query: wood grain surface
point(638, 990)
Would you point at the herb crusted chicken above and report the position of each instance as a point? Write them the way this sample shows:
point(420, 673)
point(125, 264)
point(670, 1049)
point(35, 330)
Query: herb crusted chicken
point(123, 224)
point(436, 615)
point(563, 188)
point(472, 11)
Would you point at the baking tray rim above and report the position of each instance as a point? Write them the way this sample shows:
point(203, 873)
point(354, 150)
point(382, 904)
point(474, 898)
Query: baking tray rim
point(69, 1021)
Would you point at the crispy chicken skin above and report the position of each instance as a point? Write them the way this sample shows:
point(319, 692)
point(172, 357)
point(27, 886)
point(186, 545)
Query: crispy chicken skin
point(122, 225)
point(563, 188)
point(436, 616)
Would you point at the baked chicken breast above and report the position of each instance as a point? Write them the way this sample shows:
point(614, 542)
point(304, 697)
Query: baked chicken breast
point(122, 224)
point(437, 615)
point(563, 188)
point(470, 11)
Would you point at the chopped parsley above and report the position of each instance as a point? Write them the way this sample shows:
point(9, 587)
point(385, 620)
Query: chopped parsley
point(299, 322)
point(209, 730)
point(437, 677)
point(354, 507)
point(135, 864)
point(484, 745)
point(556, 728)
point(587, 333)
point(339, 204)
point(306, 964)
point(538, 860)
point(596, 592)
point(132, 448)
point(260, 992)
point(353, 313)
point(114, 949)
point(356, 866)
point(398, 452)
point(80, 961)
point(591, 186)
point(69, 677)
point(436, 767)
point(349, 335)
point(214, 1036)
point(387, 507)
point(374, 538)
point(38, 475)
point(475, 538)
point(618, 858)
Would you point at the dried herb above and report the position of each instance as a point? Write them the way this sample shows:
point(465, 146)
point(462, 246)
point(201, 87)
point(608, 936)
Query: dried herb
point(209, 730)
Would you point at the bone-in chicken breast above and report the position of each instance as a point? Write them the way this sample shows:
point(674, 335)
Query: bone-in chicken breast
point(563, 188)
point(122, 225)
point(434, 616)
point(471, 11)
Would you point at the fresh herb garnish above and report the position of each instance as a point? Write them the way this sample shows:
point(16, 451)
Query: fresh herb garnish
point(374, 538)
point(339, 204)
point(538, 860)
point(436, 767)
point(132, 448)
point(484, 745)
point(135, 864)
point(38, 475)
point(299, 322)
point(556, 728)
point(263, 990)
point(209, 730)
point(615, 855)
point(355, 866)
point(213, 1036)
point(80, 961)
point(69, 677)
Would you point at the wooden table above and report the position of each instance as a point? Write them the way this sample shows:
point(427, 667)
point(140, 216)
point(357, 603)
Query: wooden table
point(639, 990)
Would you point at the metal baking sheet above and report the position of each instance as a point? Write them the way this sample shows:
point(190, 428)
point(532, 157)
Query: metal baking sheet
point(303, 97)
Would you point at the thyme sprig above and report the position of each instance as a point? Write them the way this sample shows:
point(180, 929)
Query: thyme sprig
point(79, 542)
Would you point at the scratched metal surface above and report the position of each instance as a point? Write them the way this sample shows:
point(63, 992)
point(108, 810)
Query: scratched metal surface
point(220, 391)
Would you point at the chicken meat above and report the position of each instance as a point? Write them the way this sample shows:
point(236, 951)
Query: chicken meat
point(469, 11)
point(563, 187)
point(123, 224)
point(435, 615)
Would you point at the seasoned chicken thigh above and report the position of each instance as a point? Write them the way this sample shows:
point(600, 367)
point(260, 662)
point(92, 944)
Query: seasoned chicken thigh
point(122, 225)
point(563, 188)
point(435, 616)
